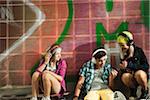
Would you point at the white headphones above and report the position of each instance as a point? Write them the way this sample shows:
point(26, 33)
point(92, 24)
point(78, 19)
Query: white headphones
point(95, 52)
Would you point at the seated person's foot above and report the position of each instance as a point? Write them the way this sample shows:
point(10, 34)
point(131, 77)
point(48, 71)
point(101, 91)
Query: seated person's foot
point(132, 98)
point(46, 98)
point(33, 98)
point(133, 92)
point(133, 95)
point(144, 94)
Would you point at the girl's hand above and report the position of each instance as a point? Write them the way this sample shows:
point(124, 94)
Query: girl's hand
point(47, 58)
point(123, 64)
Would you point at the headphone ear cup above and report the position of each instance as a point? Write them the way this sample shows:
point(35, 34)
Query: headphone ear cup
point(93, 60)
point(128, 43)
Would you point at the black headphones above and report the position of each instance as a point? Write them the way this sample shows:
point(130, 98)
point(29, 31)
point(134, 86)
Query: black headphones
point(129, 41)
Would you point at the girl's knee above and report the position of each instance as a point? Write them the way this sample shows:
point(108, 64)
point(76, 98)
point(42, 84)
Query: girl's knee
point(35, 76)
point(127, 79)
point(126, 76)
point(45, 76)
point(140, 74)
point(141, 77)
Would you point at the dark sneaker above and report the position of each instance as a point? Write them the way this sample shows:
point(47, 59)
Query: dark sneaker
point(133, 92)
point(144, 94)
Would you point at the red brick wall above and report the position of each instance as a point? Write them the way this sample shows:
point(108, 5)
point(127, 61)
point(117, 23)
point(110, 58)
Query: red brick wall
point(79, 41)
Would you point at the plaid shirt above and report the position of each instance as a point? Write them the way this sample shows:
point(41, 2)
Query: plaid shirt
point(87, 71)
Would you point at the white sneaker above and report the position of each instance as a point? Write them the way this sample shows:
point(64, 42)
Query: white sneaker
point(46, 98)
point(43, 98)
point(33, 98)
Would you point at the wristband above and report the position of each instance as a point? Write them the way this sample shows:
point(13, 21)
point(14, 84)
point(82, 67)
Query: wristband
point(38, 71)
point(75, 96)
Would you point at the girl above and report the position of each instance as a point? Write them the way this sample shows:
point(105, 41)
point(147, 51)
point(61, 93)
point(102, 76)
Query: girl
point(52, 69)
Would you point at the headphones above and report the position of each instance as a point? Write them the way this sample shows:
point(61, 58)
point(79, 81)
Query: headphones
point(94, 53)
point(129, 41)
point(53, 49)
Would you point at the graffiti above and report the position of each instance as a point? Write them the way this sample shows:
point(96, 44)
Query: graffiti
point(100, 31)
point(68, 23)
point(6, 13)
point(145, 12)
point(38, 21)
point(109, 5)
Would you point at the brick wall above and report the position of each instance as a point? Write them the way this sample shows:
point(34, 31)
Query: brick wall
point(17, 58)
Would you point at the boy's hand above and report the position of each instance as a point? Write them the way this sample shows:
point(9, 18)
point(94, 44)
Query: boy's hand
point(114, 73)
point(75, 98)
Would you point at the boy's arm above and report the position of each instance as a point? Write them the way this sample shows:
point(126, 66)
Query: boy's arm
point(78, 87)
point(112, 76)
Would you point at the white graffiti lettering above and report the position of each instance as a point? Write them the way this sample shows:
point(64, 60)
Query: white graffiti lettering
point(6, 13)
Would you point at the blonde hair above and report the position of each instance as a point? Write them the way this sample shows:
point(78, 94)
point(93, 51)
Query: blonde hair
point(125, 37)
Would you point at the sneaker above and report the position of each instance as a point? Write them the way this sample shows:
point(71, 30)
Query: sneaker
point(46, 98)
point(133, 92)
point(132, 98)
point(119, 96)
point(144, 94)
point(33, 98)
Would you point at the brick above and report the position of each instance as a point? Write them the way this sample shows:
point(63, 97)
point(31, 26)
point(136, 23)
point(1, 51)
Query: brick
point(49, 10)
point(117, 10)
point(15, 62)
point(3, 27)
point(98, 10)
point(18, 12)
point(132, 8)
point(147, 42)
point(32, 44)
point(81, 59)
point(31, 60)
point(3, 79)
point(81, 10)
point(16, 78)
point(64, 8)
point(2, 45)
point(15, 29)
point(67, 44)
point(48, 28)
point(81, 27)
point(82, 44)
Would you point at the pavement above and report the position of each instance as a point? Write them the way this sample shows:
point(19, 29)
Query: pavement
point(24, 92)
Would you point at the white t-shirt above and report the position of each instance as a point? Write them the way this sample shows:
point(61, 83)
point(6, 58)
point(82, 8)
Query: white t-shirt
point(98, 83)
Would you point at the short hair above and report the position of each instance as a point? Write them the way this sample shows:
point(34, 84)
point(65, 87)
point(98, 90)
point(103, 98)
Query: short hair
point(100, 54)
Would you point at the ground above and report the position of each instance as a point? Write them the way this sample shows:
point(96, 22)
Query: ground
point(24, 93)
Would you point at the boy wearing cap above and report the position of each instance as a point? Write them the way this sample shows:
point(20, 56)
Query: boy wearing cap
point(95, 78)
point(134, 65)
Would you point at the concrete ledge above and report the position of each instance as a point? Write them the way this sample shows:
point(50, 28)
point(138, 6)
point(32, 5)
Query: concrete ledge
point(24, 92)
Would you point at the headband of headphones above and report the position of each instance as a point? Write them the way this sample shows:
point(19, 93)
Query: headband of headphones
point(54, 49)
point(97, 51)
